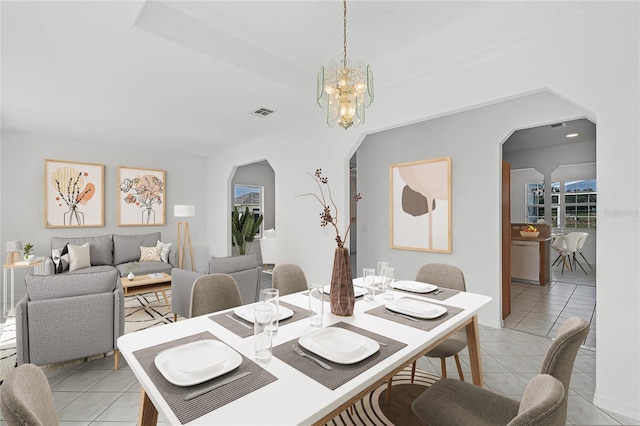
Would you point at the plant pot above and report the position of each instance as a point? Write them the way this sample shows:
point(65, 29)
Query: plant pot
point(341, 295)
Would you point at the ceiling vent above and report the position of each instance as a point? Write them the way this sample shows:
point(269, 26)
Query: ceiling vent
point(556, 125)
point(262, 112)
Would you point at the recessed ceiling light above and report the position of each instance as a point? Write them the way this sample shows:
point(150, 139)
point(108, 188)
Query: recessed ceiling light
point(572, 135)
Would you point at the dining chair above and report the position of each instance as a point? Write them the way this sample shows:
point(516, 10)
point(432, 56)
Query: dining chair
point(573, 238)
point(451, 402)
point(581, 242)
point(561, 245)
point(26, 397)
point(213, 293)
point(288, 278)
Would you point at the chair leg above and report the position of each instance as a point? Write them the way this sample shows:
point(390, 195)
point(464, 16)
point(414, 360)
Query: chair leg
point(585, 259)
point(575, 261)
point(557, 260)
point(443, 363)
point(389, 382)
point(115, 359)
point(457, 358)
point(413, 371)
point(175, 318)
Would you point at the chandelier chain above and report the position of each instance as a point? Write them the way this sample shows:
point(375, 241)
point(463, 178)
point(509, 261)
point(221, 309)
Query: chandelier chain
point(344, 17)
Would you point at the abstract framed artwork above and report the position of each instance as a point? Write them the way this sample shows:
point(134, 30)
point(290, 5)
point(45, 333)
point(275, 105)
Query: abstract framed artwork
point(420, 210)
point(74, 194)
point(141, 197)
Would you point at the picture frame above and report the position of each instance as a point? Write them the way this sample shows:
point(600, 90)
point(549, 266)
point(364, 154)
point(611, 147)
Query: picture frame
point(420, 205)
point(141, 196)
point(73, 194)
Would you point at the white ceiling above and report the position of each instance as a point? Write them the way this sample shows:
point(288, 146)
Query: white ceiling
point(187, 74)
point(553, 134)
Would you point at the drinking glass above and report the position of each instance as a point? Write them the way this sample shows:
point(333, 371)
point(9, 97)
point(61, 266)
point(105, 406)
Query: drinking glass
point(369, 282)
point(271, 295)
point(263, 319)
point(316, 304)
point(388, 282)
point(380, 274)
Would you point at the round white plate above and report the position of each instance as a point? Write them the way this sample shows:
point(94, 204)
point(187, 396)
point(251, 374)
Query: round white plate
point(246, 313)
point(197, 362)
point(339, 345)
point(414, 286)
point(416, 308)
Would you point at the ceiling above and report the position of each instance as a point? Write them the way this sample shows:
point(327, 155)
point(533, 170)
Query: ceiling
point(186, 75)
point(553, 134)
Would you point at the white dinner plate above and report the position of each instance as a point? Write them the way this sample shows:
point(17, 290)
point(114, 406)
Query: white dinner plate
point(339, 345)
point(197, 362)
point(416, 308)
point(246, 313)
point(357, 291)
point(414, 286)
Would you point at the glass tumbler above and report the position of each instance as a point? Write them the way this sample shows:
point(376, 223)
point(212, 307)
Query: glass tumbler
point(316, 304)
point(388, 283)
point(380, 274)
point(369, 282)
point(271, 295)
point(263, 318)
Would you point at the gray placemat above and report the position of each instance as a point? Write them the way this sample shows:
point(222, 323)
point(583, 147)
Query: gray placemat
point(440, 294)
point(231, 325)
point(422, 324)
point(187, 411)
point(341, 373)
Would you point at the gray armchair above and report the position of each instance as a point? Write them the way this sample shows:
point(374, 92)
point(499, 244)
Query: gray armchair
point(70, 316)
point(243, 269)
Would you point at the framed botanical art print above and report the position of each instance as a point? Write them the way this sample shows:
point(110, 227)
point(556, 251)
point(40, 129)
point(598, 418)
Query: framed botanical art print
point(141, 197)
point(74, 194)
point(420, 211)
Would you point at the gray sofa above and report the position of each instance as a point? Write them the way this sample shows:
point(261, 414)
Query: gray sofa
point(111, 251)
point(65, 317)
point(243, 269)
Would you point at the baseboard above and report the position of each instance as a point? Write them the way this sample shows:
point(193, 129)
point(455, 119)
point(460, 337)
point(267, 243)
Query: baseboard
point(628, 410)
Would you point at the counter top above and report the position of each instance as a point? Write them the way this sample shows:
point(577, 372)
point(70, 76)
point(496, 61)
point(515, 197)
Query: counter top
point(538, 239)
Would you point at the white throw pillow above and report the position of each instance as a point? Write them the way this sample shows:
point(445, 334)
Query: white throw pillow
point(79, 257)
point(149, 254)
point(164, 249)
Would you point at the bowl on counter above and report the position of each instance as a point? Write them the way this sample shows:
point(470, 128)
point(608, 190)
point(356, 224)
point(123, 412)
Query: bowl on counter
point(529, 234)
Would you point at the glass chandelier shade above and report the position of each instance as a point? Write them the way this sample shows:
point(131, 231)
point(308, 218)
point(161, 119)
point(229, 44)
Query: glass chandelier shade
point(345, 91)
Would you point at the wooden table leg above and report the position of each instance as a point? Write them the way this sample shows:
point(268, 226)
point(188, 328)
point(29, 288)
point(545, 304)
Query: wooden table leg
point(473, 343)
point(164, 294)
point(148, 415)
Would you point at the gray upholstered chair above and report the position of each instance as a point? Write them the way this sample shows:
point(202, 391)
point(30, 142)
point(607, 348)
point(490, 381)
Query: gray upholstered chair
point(183, 293)
point(26, 397)
point(64, 317)
point(288, 278)
point(451, 402)
point(243, 269)
point(451, 277)
point(213, 293)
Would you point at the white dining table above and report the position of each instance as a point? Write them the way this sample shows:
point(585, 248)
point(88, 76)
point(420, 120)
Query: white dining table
point(295, 398)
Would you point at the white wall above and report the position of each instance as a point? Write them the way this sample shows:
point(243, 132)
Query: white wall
point(591, 58)
point(22, 164)
point(519, 179)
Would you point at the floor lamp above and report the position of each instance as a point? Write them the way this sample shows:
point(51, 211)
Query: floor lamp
point(183, 210)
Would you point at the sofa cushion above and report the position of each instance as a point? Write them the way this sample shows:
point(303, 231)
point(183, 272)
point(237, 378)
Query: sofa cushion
point(43, 287)
point(79, 257)
point(126, 248)
point(92, 269)
point(149, 254)
point(165, 249)
point(100, 248)
point(143, 268)
point(228, 265)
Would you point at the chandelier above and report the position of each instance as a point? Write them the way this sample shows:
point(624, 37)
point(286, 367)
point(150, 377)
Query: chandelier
point(345, 91)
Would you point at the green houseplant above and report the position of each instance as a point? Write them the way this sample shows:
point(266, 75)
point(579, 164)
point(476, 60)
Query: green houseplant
point(28, 251)
point(243, 229)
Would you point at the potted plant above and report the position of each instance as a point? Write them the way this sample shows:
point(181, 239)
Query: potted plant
point(28, 252)
point(243, 229)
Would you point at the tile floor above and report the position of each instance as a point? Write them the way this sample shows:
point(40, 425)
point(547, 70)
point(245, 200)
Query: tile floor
point(92, 393)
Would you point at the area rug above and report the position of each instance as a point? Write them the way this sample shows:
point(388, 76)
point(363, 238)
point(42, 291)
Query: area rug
point(373, 410)
point(140, 311)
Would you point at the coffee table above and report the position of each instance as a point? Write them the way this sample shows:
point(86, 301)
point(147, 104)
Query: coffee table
point(144, 284)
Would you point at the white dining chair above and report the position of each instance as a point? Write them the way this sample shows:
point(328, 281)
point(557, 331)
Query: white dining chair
point(561, 245)
point(580, 245)
point(573, 239)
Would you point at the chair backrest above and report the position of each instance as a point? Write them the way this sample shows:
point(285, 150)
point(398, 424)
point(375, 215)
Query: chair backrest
point(582, 239)
point(541, 403)
point(442, 275)
point(561, 354)
point(213, 293)
point(26, 397)
point(572, 240)
point(243, 269)
point(560, 244)
point(288, 278)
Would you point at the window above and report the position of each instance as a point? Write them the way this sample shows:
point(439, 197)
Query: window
point(573, 203)
point(249, 196)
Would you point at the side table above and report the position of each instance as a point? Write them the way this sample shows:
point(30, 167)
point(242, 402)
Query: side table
point(9, 270)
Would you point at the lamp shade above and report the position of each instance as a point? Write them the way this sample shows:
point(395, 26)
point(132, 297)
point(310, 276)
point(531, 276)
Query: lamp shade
point(184, 210)
point(12, 246)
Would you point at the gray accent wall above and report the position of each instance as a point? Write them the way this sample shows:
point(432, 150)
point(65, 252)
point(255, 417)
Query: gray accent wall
point(22, 166)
